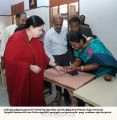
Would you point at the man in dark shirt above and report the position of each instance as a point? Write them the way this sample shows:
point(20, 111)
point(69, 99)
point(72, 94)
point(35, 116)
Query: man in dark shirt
point(82, 20)
point(75, 25)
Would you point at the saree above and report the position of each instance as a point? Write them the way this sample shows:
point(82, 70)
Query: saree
point(25, 88)
point(97, 53)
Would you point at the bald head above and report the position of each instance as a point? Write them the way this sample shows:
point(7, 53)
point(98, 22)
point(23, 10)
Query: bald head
point(57, 17)
point(57, 22)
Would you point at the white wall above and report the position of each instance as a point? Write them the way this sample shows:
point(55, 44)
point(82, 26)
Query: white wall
point(5, 8)
point(26, 4)
point(13, 2)
point(39, 3)
point(43, 12)
point(5, 12)
point(4, 21)
point(101, 15)
point(5, 18)
point(43, 3)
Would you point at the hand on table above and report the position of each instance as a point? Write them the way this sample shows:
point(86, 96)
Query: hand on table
point(70, 68)
point(60, 69)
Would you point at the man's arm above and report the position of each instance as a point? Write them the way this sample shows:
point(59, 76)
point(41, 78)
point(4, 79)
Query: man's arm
point(47, 47)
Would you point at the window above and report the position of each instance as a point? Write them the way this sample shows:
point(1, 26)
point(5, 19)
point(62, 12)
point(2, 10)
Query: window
point(64, 12)
point(64, 7)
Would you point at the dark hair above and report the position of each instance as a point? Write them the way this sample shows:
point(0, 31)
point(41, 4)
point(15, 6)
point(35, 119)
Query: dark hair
point(35, 21)
point(82, 16)
point(74, 19)
point(75, 36)
point(18, 15)
point(20, 27)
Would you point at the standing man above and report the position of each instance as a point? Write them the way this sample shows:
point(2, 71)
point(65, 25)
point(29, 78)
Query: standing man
point(75, 25)
point(82, 20)
point(9, 30)
point(55, 44)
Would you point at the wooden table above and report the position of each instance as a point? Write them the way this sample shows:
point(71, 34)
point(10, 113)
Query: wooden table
point(99, 92)
point(68, 81)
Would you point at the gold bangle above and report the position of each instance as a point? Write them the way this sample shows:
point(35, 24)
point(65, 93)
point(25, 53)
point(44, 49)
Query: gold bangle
point(82, 69)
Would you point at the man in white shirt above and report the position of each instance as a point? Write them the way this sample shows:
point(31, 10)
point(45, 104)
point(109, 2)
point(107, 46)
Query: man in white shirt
point(55, 44)
point(9, 30)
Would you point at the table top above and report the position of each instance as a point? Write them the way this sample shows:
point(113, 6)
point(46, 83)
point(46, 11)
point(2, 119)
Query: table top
point(99, 92)
point(67, 80)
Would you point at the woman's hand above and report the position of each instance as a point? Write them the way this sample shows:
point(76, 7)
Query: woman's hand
point(70, 68)
point(60, 69)
point(34, 68)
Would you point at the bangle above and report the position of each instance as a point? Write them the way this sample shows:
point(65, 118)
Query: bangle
point(82, 69)
point(55, 65)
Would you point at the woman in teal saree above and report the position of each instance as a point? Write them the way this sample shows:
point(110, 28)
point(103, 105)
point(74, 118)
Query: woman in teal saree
point(91, 55)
